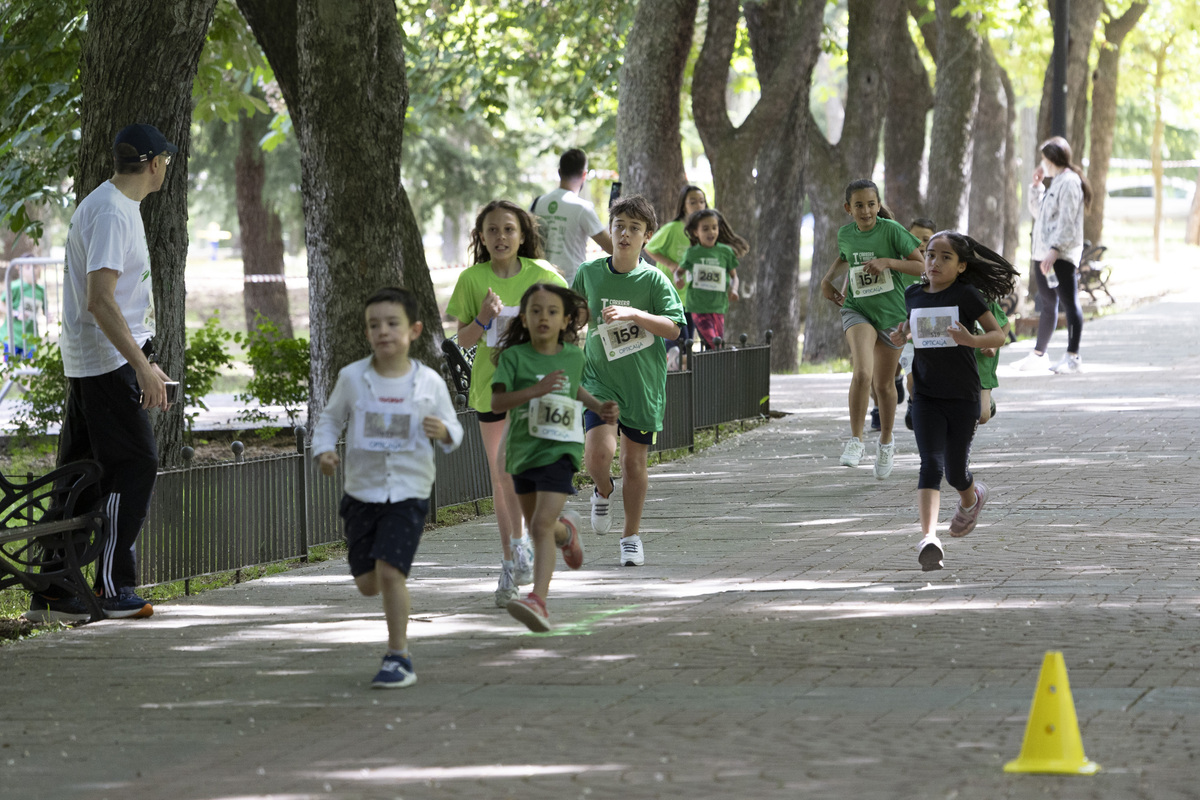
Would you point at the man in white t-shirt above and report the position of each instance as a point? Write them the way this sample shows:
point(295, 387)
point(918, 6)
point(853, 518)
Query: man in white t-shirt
point(109, 361)
point(567, 219)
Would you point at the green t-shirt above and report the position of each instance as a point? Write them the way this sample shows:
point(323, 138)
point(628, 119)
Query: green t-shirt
point(467, 300)
point(638, 381)
point(721, 258)
point(888, 239)
point(25, 300)
point(671, 240)
point(987, 364)
point(522, 366)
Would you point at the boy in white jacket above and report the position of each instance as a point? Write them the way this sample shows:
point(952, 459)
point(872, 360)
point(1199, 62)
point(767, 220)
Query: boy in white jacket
point(392, 409)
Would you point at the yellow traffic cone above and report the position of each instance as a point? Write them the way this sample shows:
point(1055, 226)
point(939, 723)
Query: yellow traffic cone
point(1052, 741)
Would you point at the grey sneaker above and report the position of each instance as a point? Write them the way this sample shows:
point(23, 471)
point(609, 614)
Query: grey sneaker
point(853, 452)
point(522, 550)
point(884, 453)
point(930, 553)
point(56, 609)
point(507, 588)
point(965, 519)
point(1070, 365)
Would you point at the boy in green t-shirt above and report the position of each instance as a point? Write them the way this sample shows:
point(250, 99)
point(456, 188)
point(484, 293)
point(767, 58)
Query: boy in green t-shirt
point(987, 359)
point(634, 308)
point(710, 271)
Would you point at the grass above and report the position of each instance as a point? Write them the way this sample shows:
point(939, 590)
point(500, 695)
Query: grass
point(13, 602)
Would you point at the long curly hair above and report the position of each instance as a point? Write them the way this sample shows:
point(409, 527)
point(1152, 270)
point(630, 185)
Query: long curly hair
point(575, 309)
point(986, 270)
point(531, 247)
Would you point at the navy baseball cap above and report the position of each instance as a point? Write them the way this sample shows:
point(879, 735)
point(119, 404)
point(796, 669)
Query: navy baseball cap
point(147, 140)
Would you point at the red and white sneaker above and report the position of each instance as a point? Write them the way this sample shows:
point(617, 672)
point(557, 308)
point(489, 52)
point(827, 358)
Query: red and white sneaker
point(530, 610)
point(573, 549)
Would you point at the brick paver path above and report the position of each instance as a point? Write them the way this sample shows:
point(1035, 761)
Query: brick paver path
point(781, 640)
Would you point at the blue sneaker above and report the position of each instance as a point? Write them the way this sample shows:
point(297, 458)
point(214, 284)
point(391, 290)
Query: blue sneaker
point(126, 605)
point(56, 609)
point(396, 672)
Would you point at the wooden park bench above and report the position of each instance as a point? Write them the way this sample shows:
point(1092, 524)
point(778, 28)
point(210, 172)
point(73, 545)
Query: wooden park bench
point(45, 543)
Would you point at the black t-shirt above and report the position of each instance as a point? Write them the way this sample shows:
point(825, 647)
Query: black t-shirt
point(947, 373)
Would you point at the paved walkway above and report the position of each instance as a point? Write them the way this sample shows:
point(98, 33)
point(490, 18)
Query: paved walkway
point(781, 641)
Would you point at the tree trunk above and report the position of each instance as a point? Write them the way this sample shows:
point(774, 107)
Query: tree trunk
point(649, 145)
point(1191, 233)
point(989, 157)
point(264, 292)
point(1081, 30)
point(1012, 176)
point(830, 167)
point(908, 104)
point(336, 62)
point(138, 64)
point(780, 193)
point(1156, 142)
point(956, 97)
point(1104, 115)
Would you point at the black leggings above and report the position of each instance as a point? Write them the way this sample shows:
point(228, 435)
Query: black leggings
point(1067, 292)
point(944, 430)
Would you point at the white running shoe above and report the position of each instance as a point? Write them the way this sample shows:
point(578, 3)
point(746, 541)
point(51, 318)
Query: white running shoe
point(853, 452)
point(602, 510)
point(507, 588)
point(930, 553)
point(884, 453)
point(1032, 363)
point(632, 553)
point(1070, 365)
point(522, 550)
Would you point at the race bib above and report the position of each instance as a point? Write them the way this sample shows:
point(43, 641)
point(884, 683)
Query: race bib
point(622, 339)
point(867, 285)
point(931, 326)
point(501, 323)
point(382, 428)
point(709, 278)
point(556, 417)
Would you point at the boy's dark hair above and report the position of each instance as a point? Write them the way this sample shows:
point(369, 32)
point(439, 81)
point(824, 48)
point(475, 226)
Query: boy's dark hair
point(725, 234)
point(394, 294)
point(635, 206)
point(572, 164)
point(681, 212)
point(923, 222)
point(530, 231)
point(575, 308)
point(863, 183)
point(987, 271)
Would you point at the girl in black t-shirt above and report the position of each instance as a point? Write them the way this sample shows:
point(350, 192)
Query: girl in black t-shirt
point(960, 276)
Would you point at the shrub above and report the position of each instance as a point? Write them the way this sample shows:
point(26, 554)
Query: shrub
point(205, 357)
point(280, 367)
point(41, 377)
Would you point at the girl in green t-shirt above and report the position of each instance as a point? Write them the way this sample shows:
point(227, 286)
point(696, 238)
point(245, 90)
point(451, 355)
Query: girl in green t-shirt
point(507, 253)
point(666, 247)
point(709, 269)
point(539, 375)
point(883, 259)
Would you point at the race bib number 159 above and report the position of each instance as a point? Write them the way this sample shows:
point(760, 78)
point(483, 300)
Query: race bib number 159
point(621, 339)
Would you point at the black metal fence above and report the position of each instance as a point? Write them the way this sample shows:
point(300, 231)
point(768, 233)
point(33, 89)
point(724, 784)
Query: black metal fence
point(208, 519)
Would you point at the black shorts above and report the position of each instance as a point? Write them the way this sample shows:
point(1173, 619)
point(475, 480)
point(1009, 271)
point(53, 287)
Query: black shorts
point(553, 477)
point(491, 416)
point(592, 420)
point(382, 532)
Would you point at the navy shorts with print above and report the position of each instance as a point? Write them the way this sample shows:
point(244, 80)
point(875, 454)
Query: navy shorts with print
point(592, 420)
point(553, 477)
point(382, 532)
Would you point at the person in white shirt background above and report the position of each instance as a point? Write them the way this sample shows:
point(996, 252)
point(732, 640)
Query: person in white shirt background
point(567, 220)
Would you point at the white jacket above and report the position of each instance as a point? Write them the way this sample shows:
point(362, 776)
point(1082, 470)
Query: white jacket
point(386, 477)
point(1058, 218)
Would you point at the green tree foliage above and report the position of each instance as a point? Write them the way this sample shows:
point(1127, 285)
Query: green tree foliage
point(44, 388)
point(281, 372)
point(40, 42)
point(206, 356)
